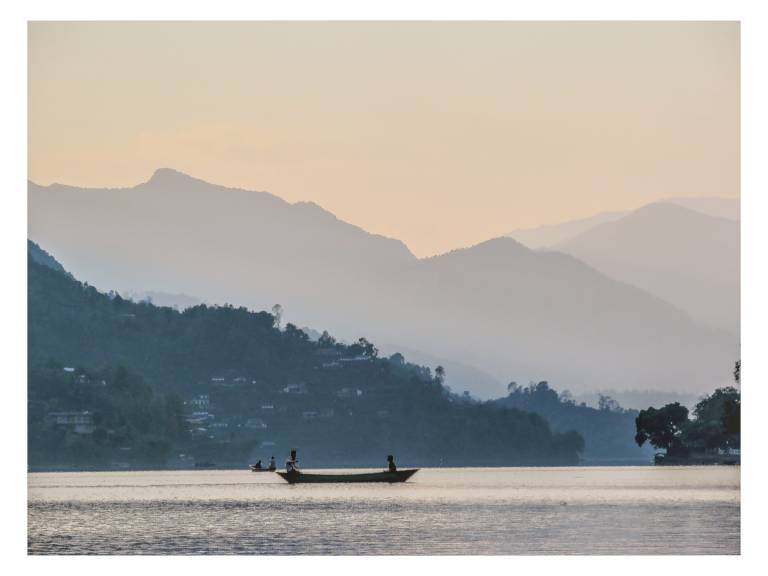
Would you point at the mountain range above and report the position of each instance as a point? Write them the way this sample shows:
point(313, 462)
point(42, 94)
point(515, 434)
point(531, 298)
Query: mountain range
point(683, 256)
point(550, 235)
point(497, 307)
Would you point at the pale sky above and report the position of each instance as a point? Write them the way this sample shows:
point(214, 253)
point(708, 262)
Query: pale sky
point(439, 134)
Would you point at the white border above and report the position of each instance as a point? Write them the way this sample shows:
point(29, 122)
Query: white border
point(754, 285)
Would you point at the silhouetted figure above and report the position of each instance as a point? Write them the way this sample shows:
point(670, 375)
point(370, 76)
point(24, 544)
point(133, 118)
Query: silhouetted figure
point(391, 461)
point(292, 464)
point(272, 464)
point(257, 466)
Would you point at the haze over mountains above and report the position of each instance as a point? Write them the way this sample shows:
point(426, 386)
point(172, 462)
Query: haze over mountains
point(550, 235)
point(498, 307)
point(685, 257)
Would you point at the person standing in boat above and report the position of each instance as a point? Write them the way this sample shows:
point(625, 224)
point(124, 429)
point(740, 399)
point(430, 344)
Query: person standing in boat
point(292, 464)
point(272, 464)
point(256, 466)
point(391, 461)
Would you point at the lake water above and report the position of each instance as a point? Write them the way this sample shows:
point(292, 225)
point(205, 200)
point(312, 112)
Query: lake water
point(611, 510)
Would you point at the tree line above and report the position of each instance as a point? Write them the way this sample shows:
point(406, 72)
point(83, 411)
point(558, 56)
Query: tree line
point(714, 426)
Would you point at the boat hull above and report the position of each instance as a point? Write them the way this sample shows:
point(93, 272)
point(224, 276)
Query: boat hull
point(385, 476)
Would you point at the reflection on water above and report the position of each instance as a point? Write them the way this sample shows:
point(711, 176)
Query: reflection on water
point(627, 510)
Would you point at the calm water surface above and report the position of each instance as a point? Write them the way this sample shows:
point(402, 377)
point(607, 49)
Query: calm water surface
point(616, 510)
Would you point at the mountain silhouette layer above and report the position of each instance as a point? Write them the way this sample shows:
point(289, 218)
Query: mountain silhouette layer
point(551, 235)
point(683, 256)
point(511, 312)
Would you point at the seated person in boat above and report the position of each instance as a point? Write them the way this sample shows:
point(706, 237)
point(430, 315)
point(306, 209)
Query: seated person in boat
point(272, 465)
point(292, 464)
point(256, 466)
point(391, 461)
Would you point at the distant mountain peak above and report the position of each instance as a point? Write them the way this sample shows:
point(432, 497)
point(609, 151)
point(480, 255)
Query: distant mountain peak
point(502, 244)
point(668, 212)
point(684, 256)
point(662, 206)
point(169, 175)
point(491, 252)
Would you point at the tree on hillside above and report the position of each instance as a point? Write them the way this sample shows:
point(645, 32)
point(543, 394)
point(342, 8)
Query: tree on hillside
point(294, 333)
point(440, 375)
point(537, 396)
point(607, 403)
point(661, 426)
point(364, 348)
point(277, 312)
point(326, 340)
point(567, 398)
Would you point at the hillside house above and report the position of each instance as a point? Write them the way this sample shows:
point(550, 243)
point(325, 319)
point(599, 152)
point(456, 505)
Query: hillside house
point(255, 424)
point(354, 359)
point(77, 422)
point(327, 353)
point(348, 393)
point(199, 418)
point(300, 388)
point(201, 402)
point(229, 377)
point(315, 415)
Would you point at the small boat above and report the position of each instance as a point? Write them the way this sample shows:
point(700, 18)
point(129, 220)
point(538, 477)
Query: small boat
point(385, 476)
point(259, 469)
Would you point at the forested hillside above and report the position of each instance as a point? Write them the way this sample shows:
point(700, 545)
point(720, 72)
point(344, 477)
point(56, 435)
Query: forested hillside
point(608, 429)
point(113, 382)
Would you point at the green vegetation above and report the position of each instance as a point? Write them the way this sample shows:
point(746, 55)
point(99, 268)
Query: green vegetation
point(662, 427)
point(113, 382)
point(712, 435)
point(87, 418)
point(606, 429)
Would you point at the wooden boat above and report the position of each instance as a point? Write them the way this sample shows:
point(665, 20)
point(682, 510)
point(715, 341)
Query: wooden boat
point(254, 469)
point(385, 476)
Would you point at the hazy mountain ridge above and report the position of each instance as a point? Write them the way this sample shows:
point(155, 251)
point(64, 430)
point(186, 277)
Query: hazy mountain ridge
point(178, 234)
point(513, 312)
point(717, 206)
point(683, 256)
point(549, 314)
point(549, 235)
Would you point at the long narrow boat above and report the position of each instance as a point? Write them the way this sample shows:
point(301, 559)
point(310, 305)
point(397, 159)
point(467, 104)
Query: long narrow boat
point(385, 476)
